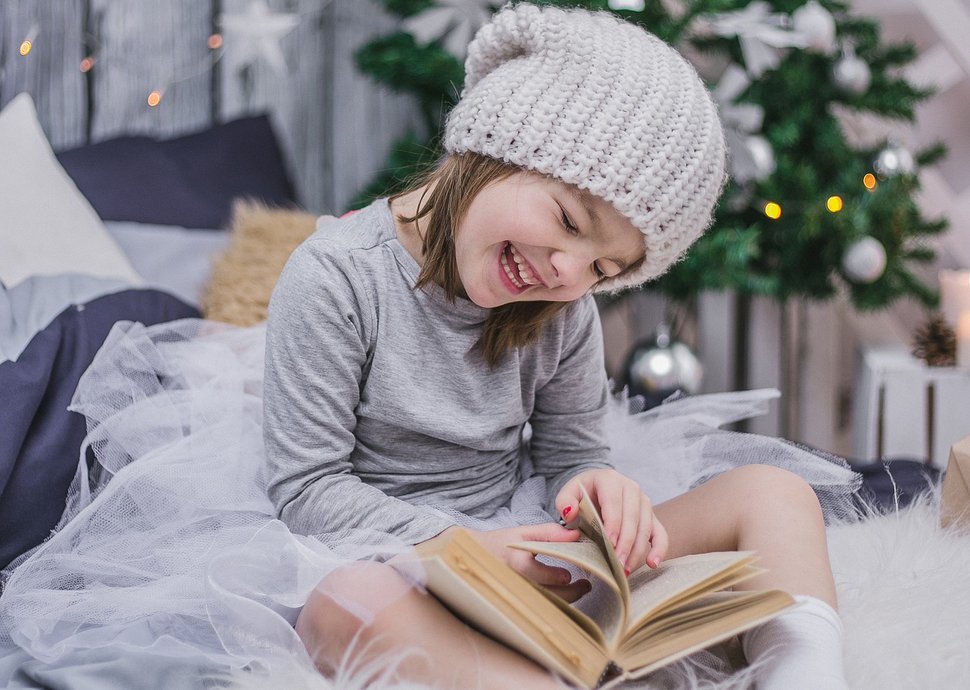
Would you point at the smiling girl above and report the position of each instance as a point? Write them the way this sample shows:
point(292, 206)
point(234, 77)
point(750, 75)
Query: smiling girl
point(436, 359)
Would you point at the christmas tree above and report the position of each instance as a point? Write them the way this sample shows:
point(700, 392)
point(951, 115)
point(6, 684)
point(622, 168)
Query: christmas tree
point(805, 214)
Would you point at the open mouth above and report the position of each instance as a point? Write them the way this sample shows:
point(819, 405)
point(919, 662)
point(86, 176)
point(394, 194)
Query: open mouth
point(517, 269)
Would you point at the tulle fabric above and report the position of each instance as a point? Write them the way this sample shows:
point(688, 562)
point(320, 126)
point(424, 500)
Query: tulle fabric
point(169, 560)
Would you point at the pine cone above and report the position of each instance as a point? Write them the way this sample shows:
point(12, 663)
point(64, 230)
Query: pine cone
point(936, 342)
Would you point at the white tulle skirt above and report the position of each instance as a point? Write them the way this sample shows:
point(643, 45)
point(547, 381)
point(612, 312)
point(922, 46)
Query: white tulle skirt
point(169, 563)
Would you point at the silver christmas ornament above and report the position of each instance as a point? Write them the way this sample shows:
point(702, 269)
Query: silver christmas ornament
point(816, 24)
point(864, 261)
point(660, 366)
point(894, 160)
point(851, 74)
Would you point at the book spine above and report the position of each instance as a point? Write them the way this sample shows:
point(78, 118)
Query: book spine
point(611, 672)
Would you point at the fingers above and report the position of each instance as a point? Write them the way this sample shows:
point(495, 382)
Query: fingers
point(571, 592)
point(555, 579)
point(540, 573)
point(659, 543)
point(636, 534)
point(567, 501)
point(635, 514)
point(547, 532)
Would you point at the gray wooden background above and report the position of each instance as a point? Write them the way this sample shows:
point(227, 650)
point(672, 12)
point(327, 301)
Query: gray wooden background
point(335, 126)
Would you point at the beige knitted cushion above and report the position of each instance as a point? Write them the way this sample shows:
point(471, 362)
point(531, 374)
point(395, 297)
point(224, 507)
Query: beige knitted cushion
point(243, 277)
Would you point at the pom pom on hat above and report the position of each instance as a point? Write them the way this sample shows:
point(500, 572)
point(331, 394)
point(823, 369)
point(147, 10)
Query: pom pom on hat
point(601, 104)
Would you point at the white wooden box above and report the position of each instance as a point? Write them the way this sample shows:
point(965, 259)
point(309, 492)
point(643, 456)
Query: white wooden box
point(904, 408)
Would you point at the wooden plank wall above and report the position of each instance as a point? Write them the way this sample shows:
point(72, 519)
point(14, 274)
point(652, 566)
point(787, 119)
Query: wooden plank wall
point(335, 127)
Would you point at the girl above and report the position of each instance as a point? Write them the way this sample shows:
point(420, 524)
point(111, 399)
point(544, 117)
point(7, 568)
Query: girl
point(433, 361)
point(411, 346)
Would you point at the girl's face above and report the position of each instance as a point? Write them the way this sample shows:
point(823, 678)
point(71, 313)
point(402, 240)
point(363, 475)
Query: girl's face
point(531, 238)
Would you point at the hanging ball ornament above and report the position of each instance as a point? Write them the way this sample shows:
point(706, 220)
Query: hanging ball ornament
point(851, 74)
point(762, 156)
point(660, 366)
point(817, 25)
point(864, 261)
point(894, 160)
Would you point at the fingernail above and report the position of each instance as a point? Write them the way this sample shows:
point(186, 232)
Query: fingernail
point(626, 571)
point(567, 510)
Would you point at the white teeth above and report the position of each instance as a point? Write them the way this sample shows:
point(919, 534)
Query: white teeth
point(524, 274)
point(509, 272)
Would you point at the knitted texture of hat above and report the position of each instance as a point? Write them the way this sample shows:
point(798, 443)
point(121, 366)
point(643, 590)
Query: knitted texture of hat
point(599, 103)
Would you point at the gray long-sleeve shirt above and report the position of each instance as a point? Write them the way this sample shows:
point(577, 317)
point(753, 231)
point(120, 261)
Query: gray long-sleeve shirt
point(377, 406)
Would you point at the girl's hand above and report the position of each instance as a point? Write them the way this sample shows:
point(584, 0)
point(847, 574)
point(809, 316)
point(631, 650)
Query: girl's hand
point(552, 578)
point(631, 526)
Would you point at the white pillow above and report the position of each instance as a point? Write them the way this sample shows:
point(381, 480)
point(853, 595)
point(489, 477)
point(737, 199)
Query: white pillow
point(46, 224)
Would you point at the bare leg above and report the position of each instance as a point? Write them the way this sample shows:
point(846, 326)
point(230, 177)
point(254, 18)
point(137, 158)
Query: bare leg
point(437, 648)
point(775, 513)
point(762, 508)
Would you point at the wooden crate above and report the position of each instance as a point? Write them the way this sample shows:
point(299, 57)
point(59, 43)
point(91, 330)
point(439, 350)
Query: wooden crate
point(904, 408)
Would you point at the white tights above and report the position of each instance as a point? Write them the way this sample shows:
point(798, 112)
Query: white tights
point(800, 649)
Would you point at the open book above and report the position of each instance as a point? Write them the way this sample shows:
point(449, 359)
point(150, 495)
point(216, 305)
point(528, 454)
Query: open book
point(630, 627)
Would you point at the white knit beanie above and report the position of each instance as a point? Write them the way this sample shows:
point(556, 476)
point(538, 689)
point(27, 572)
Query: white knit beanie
point(599, 103)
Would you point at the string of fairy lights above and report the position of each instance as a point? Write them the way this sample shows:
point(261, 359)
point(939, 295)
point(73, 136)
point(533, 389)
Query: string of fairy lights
point(891, 161)
point(254, 35)
point(833, 204)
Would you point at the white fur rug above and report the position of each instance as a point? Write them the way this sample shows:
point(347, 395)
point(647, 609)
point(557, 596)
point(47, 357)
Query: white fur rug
point(904, 596)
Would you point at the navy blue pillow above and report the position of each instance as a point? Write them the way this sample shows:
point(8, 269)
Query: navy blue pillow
point(190, 181)
point(39, 439)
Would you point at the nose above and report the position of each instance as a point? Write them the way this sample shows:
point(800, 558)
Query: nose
point(569, 268)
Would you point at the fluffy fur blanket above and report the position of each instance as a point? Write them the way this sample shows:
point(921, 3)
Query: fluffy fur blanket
point(904, 596)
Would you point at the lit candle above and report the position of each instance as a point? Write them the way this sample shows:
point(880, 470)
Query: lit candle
point(963, 339)
point(954, 294)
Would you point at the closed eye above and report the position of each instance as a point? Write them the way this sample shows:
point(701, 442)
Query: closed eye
point(572, 229)
point(568, 223)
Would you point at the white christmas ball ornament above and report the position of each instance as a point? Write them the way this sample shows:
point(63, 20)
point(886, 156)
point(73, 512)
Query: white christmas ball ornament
point(852, 74)
point(762, 156)
point(865, 260)
point(816, 24)
point(894, 160)
point(632, 5)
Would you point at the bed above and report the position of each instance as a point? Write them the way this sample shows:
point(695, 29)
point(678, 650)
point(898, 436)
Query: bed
point(127, 230)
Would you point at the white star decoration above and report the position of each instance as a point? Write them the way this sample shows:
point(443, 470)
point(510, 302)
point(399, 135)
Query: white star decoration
point(456, 19)
point(256, 33)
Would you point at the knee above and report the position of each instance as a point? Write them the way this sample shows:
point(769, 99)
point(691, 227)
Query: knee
point(343, 610)
point(776, 491)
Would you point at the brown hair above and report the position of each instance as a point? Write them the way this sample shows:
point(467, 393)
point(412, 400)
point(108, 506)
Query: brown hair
point(449, 189)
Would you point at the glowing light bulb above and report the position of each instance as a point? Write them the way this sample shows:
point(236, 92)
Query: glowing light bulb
point(154, 98)
point(869, 180)
point(87, 63)
point(28, 43)
point(214, 42)
point(773, 210)
point(834, 203)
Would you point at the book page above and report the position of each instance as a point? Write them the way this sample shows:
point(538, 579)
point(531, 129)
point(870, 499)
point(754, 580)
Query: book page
point(605, 605)
point(653, 589)
point(490, 596)
point(725, 614)
point(592, 526)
